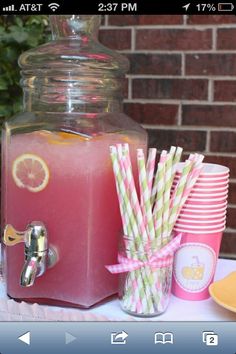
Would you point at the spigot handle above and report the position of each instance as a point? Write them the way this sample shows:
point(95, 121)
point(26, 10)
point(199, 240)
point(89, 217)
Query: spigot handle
point(11, 236)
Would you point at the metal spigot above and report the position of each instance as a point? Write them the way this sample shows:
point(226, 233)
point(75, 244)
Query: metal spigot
point(37, 254)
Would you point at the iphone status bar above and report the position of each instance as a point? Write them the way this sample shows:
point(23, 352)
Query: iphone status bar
point(118, 7)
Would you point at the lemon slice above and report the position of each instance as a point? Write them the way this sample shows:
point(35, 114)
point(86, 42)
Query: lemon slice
point(31, 172)
point(63, 138)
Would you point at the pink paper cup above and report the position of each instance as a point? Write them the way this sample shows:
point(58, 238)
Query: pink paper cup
point(198, 231)
point(209, 170)
point(205, 218)
point(194, 265)
point(203, 201)
point(200, 224)
point(207, 186)
point(204, 208)
point(192, 216)
point(207, 181)
point(208, 195)
point(201, 215)
point(187, 227)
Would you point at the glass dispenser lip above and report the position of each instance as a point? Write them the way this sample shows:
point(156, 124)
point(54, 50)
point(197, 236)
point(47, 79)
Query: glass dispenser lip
point(74, 49)
point(74, 71)
point(74, 26)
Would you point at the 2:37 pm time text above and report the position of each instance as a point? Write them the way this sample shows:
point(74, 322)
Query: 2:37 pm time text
point(118, 7)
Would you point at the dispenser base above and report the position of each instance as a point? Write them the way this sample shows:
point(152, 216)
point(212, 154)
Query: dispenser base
point(59, 303)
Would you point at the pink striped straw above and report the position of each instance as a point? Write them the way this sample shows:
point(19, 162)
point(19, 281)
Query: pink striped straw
point(133, 195)
point(163, 156)
point(191, 181)
point(113, 150)
point(176, 187)
point(196, 159)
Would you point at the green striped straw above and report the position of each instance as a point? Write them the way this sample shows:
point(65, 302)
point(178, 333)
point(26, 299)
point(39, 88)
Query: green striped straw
point(178, 195)
point(155, 183)
point(147, 209)
point(159, 203)
point(176, 160)
point(152, 152)
point(144, 191)
point(131, 231)
point(166, 206)
point(142, 236)
point(143, 287)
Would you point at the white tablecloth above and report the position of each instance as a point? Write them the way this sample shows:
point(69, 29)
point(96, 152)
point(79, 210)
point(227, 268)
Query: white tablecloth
point(178, 310)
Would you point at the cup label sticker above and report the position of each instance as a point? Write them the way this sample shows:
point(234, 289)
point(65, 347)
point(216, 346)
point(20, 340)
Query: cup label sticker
point(194, 266)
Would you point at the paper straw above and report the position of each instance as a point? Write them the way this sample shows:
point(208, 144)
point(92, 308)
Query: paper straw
point(142, 237)
point(131, 295)
point(151, 167)
point(191, 182)
point(158, 207)
point(145, 193)
point(132, 230)
point(176, 160)
point(172, 151)
point(135, 208)
point(135, 202)
point(154, 188)
point(178, 194)
point(167, 189)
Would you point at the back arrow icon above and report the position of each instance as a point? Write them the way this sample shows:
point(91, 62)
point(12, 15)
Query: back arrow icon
point(25, 338)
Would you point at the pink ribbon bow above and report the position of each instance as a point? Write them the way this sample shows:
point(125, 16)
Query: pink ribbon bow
point(162, 258)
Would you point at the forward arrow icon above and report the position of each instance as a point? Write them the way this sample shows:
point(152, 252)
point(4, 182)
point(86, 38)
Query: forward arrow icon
point(69, 338)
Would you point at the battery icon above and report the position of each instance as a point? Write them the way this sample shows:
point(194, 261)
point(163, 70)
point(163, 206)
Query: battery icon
point(225, 6)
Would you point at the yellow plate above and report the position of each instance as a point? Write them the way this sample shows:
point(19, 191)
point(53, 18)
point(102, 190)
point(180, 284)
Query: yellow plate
point(224, 292)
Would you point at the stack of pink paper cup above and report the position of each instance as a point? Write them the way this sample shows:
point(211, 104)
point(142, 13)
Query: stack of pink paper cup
point(201, 221)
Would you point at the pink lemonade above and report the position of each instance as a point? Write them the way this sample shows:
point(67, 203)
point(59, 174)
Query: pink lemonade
point(74, 195)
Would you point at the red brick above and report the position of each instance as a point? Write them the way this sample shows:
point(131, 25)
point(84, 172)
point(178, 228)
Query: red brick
point(151, 64)
point(232, 194)
point(228, 161)
point(148, 113)
point(189, 89)
point(173, 39)
point(119, 39)
point(211, 64)
point(228, 244)
point(209, 115)
point(190, 140)
point(223, 141)
point(134, 20)
point(231, 218)
point(225, 90)
point(226, 38)
point(210, 19)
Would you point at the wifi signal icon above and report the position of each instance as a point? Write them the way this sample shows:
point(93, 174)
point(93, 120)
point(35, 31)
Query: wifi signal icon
point(53, 6)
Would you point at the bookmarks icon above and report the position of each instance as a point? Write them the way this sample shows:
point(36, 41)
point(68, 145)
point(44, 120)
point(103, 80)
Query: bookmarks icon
point(164, 338)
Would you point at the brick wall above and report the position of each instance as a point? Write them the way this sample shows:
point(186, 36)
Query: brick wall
point(182, 86)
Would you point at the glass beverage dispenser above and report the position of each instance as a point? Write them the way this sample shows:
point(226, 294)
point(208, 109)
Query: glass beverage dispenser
point(60, 211)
